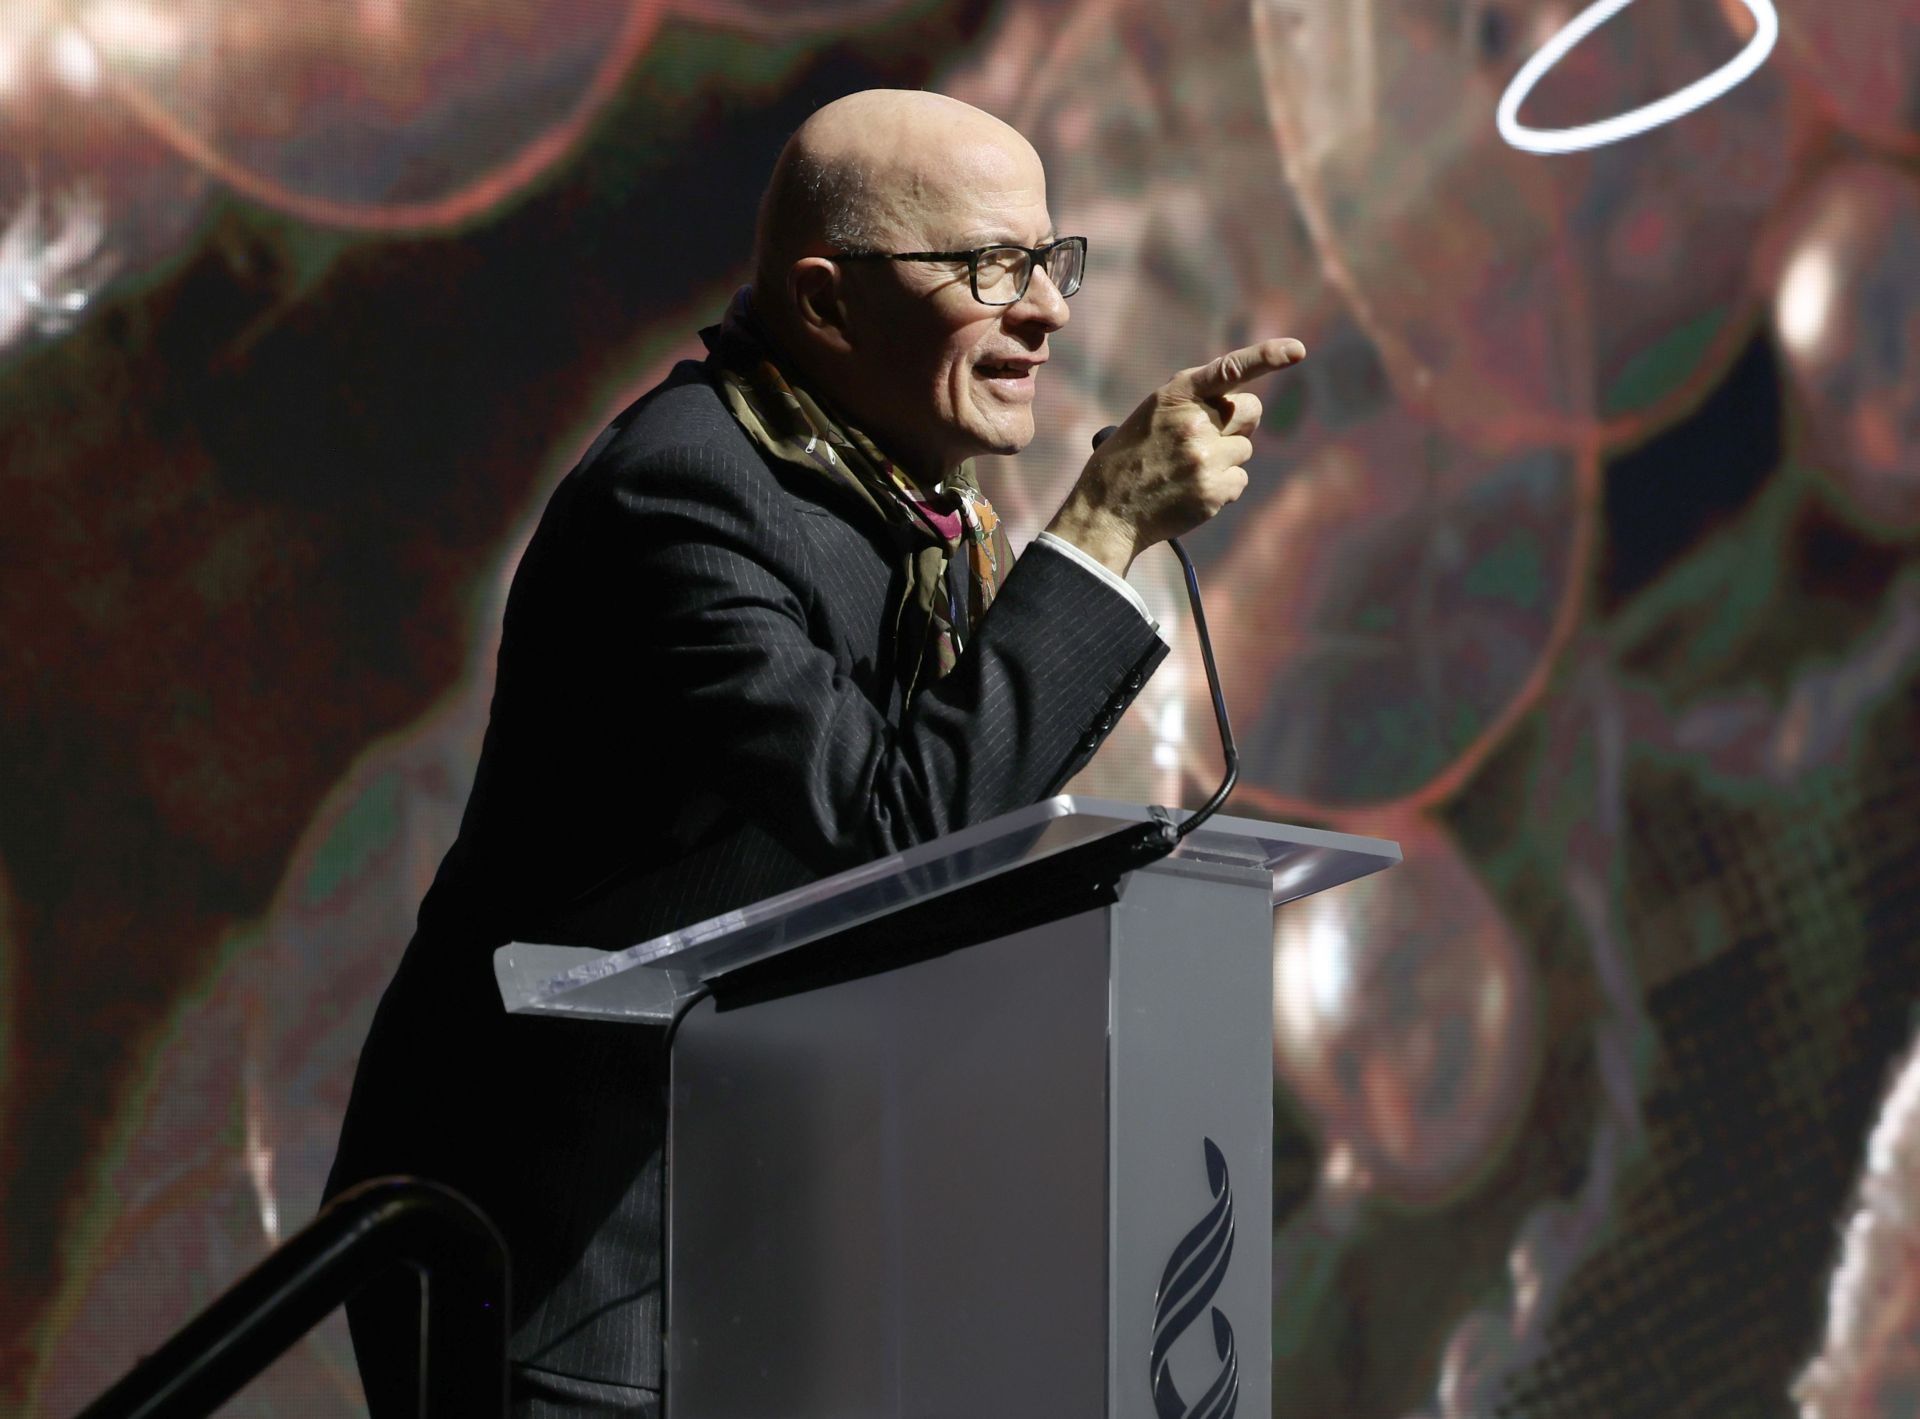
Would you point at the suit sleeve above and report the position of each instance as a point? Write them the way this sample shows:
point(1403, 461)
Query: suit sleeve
point(712, 552)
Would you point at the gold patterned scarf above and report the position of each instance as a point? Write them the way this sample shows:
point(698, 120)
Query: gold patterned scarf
point(928, 526)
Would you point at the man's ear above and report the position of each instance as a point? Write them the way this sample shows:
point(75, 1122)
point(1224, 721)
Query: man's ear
point(818, 304)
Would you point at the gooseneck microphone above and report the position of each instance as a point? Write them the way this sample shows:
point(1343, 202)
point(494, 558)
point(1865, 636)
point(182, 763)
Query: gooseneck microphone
point(1227, 750)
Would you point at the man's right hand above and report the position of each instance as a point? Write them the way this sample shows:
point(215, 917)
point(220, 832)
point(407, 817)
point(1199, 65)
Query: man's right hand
point(1176, 460)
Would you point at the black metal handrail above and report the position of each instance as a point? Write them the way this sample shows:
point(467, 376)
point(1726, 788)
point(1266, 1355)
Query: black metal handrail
point(386, 1222)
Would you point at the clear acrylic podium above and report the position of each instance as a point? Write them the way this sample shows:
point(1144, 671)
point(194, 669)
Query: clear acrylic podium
point(981, 1128)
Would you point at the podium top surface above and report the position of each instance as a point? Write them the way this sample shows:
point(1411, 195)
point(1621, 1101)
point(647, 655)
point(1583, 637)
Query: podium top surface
point(644, 981)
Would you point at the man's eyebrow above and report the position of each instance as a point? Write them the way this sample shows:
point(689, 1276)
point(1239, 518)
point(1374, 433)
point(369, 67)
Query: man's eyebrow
point(1002, 237)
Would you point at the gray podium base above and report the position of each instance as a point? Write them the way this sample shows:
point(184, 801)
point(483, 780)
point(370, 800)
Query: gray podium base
point(1031, 1177)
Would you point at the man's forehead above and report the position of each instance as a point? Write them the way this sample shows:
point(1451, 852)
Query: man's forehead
point(982, 193)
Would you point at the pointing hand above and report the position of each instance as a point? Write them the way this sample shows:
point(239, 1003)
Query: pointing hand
point(1175, 461)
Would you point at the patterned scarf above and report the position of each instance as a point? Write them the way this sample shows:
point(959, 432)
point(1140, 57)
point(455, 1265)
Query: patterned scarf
point(927, 526)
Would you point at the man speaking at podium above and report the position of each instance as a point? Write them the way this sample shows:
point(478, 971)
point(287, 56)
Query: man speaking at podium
point(768, 629)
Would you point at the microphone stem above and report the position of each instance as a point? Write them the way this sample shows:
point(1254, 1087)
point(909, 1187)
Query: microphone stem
point(1227, 749)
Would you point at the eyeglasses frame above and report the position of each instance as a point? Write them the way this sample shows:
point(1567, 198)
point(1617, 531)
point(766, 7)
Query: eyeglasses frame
point(1035, 255)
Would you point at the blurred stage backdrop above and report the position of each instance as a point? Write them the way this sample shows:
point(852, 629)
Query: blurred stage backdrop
point(1583, 557)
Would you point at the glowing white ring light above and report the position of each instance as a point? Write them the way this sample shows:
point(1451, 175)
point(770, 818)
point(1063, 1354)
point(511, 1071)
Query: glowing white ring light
point(1611, 130)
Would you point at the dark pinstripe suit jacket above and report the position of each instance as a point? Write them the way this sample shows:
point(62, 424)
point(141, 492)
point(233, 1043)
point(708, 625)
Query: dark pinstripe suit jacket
point(698, 706)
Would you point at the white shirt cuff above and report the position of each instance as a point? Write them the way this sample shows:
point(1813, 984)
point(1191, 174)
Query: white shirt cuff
point(1105, 573)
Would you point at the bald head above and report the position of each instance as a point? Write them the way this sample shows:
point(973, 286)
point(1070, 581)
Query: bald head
point(884, 169)
point(905, 349)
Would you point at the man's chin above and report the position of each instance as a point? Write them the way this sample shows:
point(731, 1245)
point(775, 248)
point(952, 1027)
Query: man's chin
point(1005, 439)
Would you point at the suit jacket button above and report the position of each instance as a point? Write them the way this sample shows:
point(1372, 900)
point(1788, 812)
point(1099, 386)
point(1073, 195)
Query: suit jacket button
point(1136, 680)
point(1090, 743)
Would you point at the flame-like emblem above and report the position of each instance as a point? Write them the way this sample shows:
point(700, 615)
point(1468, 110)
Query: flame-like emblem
point(1187, 1287)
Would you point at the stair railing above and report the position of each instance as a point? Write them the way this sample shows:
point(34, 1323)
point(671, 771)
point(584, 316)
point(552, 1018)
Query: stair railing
point(383, 1223)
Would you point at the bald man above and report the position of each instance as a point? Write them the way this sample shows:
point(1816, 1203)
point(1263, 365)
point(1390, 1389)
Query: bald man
point(768, 629)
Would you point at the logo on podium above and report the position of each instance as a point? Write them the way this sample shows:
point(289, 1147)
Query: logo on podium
point(1187, 1286)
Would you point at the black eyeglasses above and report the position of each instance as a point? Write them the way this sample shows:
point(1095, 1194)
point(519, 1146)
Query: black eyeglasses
point(1000, 274)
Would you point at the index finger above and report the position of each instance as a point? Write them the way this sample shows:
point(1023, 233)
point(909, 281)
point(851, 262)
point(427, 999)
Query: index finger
point(1230, 371)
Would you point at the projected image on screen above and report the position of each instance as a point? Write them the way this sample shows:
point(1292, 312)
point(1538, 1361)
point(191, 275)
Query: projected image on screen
point(1582, 558)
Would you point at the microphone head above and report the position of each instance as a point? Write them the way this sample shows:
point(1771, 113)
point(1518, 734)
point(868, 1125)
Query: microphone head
point(1108, 432)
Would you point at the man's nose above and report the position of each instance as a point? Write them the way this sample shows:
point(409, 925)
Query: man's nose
point(1042, 304)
